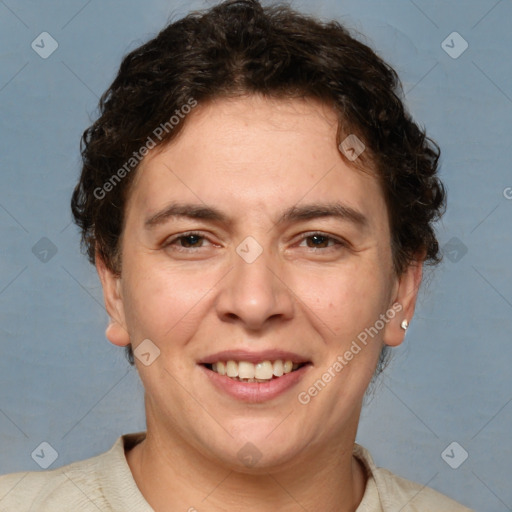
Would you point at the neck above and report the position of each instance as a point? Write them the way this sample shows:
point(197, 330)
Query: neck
point(173, 475)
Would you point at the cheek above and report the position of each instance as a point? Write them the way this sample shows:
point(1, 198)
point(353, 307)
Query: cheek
point(160, 303)
point(343, 295)
point(344, 301)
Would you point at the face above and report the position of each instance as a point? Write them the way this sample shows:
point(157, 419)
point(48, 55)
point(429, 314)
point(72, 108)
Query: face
point(248, 239)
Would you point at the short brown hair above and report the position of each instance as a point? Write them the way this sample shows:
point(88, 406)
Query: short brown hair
point(240, 47)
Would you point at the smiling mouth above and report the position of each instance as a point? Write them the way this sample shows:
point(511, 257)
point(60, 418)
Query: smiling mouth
point(244, 371)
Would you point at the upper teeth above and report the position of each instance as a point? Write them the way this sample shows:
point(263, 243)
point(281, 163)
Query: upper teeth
point(260, 371)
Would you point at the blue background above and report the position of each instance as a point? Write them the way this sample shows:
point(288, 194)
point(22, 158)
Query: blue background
point(63, 383)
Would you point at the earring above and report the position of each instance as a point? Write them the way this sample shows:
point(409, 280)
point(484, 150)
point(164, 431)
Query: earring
point(404, 324)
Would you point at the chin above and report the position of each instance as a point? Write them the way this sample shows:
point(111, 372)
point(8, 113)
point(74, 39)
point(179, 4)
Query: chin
point(259, 447)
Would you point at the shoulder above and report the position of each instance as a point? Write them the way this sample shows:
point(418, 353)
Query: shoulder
point(81, 486)
point(45, 490)
point(397, 493)
point(413, 497)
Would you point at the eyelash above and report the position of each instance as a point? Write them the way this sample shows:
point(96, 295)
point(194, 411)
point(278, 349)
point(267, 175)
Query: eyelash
point(305, 236)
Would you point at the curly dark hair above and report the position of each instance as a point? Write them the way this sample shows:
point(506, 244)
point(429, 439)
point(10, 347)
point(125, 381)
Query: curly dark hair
point(236, 48)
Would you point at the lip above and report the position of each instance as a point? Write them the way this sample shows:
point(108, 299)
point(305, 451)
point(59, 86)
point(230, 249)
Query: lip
point(255, 392)
point(253, 357)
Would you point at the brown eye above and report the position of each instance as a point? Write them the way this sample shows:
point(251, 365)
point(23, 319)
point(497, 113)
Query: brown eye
point(321, 241)
point(318, 241)
point(186, 241)
point(189, 240)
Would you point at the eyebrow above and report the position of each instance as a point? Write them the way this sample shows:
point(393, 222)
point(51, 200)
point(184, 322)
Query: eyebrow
point(293, 214)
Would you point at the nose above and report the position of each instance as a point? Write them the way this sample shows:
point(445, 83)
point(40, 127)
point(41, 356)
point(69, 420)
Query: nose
point(255, 293)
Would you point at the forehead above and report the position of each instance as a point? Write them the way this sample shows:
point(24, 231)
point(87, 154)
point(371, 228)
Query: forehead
point(256, 155)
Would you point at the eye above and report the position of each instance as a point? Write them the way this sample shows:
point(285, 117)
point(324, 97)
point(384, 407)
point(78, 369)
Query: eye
point(322, 241)
point(185, 241)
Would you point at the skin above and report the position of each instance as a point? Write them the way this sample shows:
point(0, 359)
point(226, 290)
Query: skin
point(252, 158)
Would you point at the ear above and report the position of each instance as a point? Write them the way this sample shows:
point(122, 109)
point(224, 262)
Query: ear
point(404, 302)
point(116, 331)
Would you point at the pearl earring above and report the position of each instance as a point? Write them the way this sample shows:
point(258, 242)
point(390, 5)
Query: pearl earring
point(404, 325)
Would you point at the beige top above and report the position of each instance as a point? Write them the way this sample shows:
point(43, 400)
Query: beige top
point(105, 483)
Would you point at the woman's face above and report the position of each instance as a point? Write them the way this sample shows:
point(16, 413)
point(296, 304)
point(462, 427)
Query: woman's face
point(289, 260)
